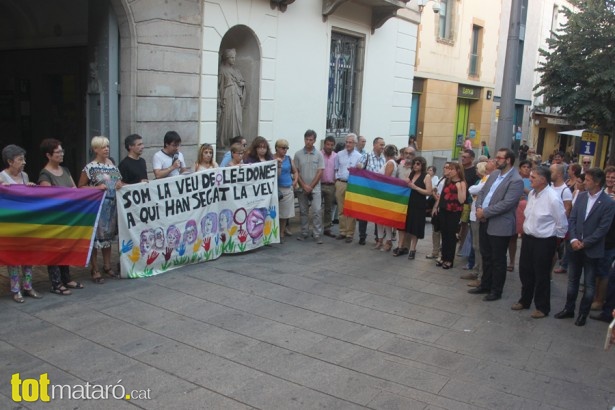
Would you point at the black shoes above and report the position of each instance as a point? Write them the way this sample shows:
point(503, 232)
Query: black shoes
point(361, 241)
point(581, 320)
point(478, 291)
point(564, 314)
point(601, 318)
point(491, 297)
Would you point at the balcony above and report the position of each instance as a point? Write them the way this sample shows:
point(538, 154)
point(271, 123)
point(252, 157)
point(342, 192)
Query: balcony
point(382, 10)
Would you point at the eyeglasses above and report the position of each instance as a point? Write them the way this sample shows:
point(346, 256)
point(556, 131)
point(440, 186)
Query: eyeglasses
point(587, 162)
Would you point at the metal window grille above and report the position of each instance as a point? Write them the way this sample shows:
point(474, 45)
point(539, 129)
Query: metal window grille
point(342, 78)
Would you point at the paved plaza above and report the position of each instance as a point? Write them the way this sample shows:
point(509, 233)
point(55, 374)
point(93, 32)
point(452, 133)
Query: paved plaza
point(303, 326)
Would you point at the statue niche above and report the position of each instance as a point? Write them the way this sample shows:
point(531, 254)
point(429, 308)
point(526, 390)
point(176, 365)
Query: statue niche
point(231, 98)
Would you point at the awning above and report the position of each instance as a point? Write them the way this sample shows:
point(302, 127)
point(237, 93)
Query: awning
point(575, 133)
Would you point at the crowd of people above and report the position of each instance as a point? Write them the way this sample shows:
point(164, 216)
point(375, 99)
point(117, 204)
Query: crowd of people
point(478, 209)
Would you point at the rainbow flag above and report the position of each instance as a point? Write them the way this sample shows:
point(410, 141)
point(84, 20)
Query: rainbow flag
point(376, 198)
point(47, 225)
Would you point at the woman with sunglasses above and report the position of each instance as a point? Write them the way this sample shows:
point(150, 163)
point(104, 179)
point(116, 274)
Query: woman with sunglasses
point(287, 181)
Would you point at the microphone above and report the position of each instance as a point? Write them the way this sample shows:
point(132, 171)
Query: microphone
point(175, 157)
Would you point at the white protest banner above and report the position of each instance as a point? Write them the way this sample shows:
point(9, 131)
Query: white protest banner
point(171, 222)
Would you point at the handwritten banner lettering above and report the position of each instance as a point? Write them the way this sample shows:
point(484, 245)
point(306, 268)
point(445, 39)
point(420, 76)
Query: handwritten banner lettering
point(172, 222)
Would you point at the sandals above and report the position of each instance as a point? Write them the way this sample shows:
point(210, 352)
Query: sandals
point(18, 297)
point(411, 254)
point(439, 262)
point(32, 293)
point(77, 285)
point(110, 272)
point(510, 268)
point(97, 278)
point(61, 290)
point(447, 265)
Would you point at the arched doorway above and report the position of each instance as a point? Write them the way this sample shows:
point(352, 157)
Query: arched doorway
point(52, 54)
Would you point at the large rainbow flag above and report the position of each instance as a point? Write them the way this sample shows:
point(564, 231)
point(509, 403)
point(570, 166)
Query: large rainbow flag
point(376, 198)
point(47, 225)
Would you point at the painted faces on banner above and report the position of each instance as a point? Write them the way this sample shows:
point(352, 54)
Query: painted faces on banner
point(173, 237)
point(190, 234)
point(147, 240)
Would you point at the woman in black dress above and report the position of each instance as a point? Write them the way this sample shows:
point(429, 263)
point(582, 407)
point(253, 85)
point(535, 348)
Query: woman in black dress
point(420, 184)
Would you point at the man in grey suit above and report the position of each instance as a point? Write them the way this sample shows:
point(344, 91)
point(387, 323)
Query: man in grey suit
point(496, 205)
point(589, 223)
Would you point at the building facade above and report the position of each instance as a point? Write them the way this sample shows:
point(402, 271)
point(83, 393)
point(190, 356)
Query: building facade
point(541, 126)
point(455, 77)
point(75, 69)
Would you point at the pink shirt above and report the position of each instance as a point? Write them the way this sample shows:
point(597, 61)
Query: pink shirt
point(328, 175)
point(467, 144)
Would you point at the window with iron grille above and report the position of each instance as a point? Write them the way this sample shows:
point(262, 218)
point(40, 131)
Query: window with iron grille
point(343, 84)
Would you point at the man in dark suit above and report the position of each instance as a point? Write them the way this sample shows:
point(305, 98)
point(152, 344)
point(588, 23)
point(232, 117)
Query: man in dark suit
point(589, 222)
point(496, 205)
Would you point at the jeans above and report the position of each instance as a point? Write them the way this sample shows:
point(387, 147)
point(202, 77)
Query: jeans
point(581, 264)
point(605, 263)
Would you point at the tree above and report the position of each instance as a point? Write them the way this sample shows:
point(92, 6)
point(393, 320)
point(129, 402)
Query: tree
point(578, 73)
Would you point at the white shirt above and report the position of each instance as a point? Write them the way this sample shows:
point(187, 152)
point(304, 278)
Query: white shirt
point(162, 160)
point(344, 161)
point(591, 200)
point(545, 215)
point(563, 191)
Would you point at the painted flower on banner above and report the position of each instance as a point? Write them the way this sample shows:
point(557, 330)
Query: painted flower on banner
point(135, 255)
point(267, 229)
point(272, 212)
point(242, 236)
point(196, 246)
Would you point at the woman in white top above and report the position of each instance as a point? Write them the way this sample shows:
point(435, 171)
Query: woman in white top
point(389, 168)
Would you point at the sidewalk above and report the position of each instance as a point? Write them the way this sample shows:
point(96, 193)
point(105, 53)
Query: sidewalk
point(303, 326)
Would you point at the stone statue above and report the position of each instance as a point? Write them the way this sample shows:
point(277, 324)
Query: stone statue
point(231, 96)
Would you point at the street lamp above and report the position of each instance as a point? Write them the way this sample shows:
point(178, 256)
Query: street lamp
point(436, 5)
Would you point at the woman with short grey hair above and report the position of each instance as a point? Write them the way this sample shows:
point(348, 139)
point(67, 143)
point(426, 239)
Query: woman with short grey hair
point(14, 158)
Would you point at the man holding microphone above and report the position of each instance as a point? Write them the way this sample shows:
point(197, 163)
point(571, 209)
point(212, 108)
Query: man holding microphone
point(169, 162)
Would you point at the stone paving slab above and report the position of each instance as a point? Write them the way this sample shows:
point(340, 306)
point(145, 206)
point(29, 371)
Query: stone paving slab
point(302, 326)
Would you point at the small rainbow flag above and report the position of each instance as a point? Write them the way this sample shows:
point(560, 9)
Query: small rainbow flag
point(376, 198)
point(47, 225)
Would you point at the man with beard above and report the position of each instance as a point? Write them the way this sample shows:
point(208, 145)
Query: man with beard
point(496, 205)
